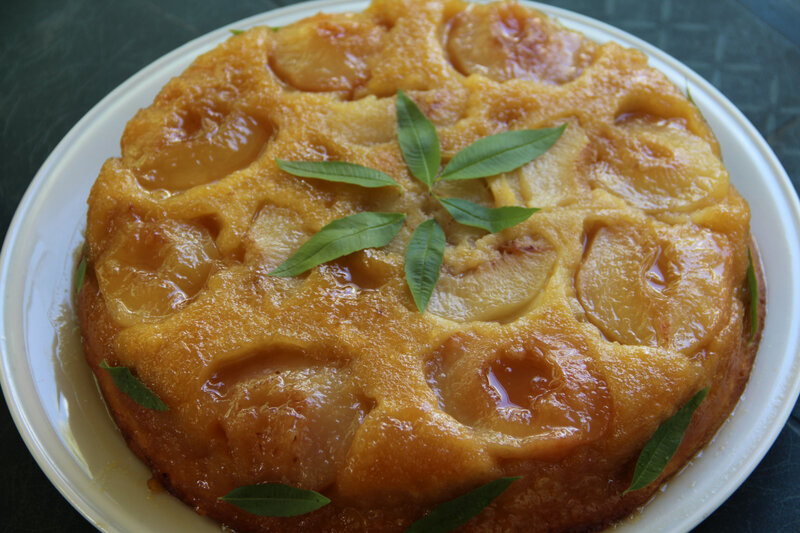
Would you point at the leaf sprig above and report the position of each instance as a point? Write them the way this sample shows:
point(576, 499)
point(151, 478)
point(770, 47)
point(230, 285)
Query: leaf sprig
point(341, 237)
point(419, 144)
point(129, 384)
point(80, 273)
point(658, 451)
point(424, 257)
point(338, 171)
point(753, 289)
point(275, 499)
point(451, 514)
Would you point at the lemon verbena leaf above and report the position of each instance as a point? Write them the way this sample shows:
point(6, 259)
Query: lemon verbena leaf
point(752, 288)
point(491, 219)
point(418, 140)
point(275, 499)
point(663, 444)
point(423, 261)
point(341, 237)
point(500, 153)
point(80, 273)
point(452, 514)
point(338, 171)
point(129, 384)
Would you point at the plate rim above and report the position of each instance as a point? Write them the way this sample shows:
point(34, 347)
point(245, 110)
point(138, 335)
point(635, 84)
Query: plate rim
point(84, 504)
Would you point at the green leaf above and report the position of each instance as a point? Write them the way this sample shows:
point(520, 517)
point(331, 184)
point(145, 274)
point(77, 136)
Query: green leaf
point(424, 260)
point(752, 287)
point(133, 387)
point(491, 219)
point(450, 515)
point(663, 444)
point(689, 94)
point(341, 237)
point(500, 153)
point(418, 140)
point(80, 273)
point(338, 171)
point(275, 499)
point(236, 32)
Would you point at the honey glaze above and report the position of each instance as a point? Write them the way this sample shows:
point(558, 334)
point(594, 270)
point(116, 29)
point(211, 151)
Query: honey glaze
point(517, 386)
point(342, 285)
point(655, 275)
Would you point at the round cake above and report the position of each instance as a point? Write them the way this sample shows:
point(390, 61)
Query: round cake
point(549, 351)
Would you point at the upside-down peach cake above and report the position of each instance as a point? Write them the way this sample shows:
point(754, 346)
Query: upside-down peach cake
point(551, 350)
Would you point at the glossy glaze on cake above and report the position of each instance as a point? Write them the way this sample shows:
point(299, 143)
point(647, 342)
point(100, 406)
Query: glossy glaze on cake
point(551, 350)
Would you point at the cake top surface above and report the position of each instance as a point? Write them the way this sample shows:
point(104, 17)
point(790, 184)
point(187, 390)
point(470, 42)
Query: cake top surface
point(567, 337)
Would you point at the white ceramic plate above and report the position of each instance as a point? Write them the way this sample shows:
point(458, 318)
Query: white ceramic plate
point(57, 408)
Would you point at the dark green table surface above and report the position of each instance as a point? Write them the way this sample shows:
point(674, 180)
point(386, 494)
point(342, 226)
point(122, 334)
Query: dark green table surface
point(59, 58)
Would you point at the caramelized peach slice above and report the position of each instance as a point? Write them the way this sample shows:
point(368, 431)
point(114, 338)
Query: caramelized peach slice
point(669, 287)
point(276, 233)
point(496, 289)
point(659, 165)
point(153, 269)
point(290, 415)
point(505, 41)
point(326, 52)
point(367, 121)
point(538, 398)
point(208, 148)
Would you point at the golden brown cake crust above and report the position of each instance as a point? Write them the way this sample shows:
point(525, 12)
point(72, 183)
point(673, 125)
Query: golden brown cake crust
point(551, 350)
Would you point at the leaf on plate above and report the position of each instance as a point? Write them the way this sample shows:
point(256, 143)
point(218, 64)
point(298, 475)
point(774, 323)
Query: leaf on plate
point(663, 444)
point(236, 32)
point(689, 94)
point(753, 289)
point(275, 499)
point(491, 219)
point(452, 514)
point(500, 153)
point(126, 382)
point(338, 171)
point(341, 237)
point(80, 273)
point(418, 140)
point(424, 260)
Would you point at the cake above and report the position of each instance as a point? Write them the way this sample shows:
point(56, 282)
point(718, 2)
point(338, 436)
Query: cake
point(549, 352)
